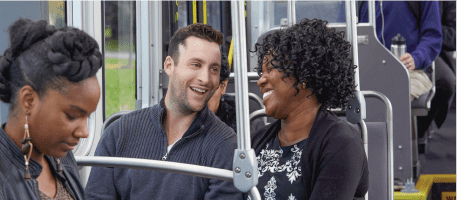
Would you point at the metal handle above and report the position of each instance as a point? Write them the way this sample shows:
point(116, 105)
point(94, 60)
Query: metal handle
point(164, 166)
point(245, 174)
point(390, 143)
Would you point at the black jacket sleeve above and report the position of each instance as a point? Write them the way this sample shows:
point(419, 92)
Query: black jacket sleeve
point(447, 10)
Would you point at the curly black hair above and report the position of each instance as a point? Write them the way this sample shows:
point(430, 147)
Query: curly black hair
point(313, 54)
point(46, 58)
point(225, 68)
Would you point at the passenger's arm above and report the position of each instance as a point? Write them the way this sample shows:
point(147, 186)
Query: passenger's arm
point(448, 25)
point(342, 165)
point(223, 159)
point(101, 179)
point(431, 36)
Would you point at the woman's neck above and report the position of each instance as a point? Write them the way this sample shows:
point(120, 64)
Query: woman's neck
point(297, 126)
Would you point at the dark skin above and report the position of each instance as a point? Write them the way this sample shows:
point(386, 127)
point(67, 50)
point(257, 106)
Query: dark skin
point(296, 112)
point(56, 123)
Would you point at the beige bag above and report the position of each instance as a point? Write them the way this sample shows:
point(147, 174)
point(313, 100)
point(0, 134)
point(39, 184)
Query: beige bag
point(420, 83)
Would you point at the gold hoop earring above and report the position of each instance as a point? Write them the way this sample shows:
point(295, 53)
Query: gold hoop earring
point(27, 147)
point(304, 85)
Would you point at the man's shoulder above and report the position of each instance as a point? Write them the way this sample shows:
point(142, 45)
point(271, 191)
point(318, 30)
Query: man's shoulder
point(218, 127)
point(136, 118)
point(144, 113)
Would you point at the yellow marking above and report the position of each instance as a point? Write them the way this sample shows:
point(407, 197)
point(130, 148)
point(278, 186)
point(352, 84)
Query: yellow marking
point(448, 196)
point(177, 15)
point(194, 11)
point(424, 185)
point(205, 20)
point(230, 55)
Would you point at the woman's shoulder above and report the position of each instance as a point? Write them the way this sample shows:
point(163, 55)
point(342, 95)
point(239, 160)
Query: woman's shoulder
point(329, 126)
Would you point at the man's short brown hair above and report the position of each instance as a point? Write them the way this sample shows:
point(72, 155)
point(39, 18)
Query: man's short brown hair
point(199, 30)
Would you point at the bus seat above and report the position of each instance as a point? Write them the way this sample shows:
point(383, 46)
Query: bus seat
point(377, 159)
point(113, 118)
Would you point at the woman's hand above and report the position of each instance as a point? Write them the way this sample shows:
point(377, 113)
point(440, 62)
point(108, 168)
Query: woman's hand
point(408, 61)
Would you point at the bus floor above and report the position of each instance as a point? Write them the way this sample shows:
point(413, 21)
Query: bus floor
point(439, 156)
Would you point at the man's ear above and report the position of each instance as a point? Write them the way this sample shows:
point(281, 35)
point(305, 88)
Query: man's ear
point(168, 65)
point(28, 99)
point(223, 86)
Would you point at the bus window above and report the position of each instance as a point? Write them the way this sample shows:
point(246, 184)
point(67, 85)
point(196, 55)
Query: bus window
point(57, 13)
point(280, 11)
point(182, 14)
point(325, 10)
point(213, 10)
point(120, 37)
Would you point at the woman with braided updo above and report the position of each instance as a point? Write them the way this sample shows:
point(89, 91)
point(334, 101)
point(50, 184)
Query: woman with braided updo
point(47, 76)
point(308, 153)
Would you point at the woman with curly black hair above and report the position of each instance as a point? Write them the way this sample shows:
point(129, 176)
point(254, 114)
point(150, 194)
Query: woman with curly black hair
point(47, 76)
point(308, 153)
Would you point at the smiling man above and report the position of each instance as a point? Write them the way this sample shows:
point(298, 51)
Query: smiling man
point(179, 129)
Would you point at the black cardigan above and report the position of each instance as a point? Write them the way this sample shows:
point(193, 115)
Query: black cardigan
point(334, 164)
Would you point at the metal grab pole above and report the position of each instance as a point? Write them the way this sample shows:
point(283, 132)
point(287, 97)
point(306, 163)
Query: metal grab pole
point(291, 12)
point(240, 68)
point(155, 165)
point(357, 107)
point(245, 174)
point(351, 27)
point(355, 46)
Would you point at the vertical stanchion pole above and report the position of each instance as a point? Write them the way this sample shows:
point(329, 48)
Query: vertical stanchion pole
point(291, 12)
point(355, 46)
point(241, 80)
point(245, 170)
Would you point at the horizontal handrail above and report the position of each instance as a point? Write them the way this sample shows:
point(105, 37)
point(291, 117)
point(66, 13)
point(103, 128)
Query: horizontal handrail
point(155, 165)
point(251, 76)
point(164, 166)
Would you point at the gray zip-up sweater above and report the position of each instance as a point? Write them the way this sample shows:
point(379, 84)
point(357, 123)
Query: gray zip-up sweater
point(207, 142)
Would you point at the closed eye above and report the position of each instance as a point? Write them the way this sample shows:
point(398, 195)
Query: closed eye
point(71, 117)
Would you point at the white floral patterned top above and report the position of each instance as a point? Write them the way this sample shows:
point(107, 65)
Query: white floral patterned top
point(280, 175)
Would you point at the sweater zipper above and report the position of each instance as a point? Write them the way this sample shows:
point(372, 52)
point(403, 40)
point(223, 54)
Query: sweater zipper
point(166, 154)
point(164, 158)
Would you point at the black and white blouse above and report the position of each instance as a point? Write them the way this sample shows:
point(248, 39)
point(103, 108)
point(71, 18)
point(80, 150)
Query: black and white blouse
point(280, 175)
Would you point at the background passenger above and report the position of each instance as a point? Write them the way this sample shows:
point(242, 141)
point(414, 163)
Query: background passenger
point(444, 72)
point(308, 153)
point(179, 129)
point(48, 78)
point(223, 105)
point(419, 23)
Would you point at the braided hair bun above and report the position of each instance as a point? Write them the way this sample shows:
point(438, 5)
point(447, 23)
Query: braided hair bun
point(42, 56)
